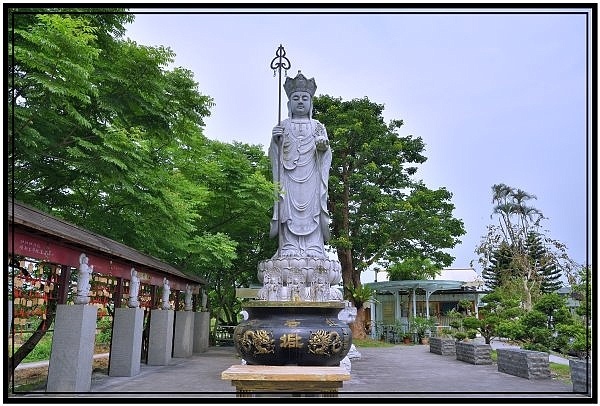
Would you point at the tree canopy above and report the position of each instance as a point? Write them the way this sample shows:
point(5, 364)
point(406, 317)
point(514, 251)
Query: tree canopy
point(415, 268)
point(380, 213)
point(517, 251)
point(105, 135)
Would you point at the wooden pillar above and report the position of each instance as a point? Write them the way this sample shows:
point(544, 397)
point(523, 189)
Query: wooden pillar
point(118, 293)
point(63, 284)
point(153, 297)
point(397, 312)
point(176, 304)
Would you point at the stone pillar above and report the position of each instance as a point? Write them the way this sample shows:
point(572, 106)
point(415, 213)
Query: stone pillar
point(201, 331)
point(72, 354)
point(160, 342)
point(126, 346)
point(184, 334)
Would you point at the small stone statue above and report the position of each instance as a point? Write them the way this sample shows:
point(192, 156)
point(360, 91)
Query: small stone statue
point(297, 288)
point(271, 288)
point(166, 305)
point(83, 280)
point(320, 289)
point(348, 313)
point(134, 289)
point(204, 300)
point(188, 298)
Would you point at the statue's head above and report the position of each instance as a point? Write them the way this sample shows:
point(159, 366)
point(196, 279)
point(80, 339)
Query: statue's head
point(300, 84)
point(300, 92)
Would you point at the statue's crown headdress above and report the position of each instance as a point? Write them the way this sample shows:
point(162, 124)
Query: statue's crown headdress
point(300, 84)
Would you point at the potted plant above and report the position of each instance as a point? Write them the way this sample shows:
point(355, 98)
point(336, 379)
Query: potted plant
point(422, 326)
point(406, 338)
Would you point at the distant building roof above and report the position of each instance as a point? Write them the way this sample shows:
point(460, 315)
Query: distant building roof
point(458, 274)
point(449, 279)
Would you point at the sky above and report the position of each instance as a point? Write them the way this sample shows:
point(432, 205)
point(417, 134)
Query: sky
point(497, 97)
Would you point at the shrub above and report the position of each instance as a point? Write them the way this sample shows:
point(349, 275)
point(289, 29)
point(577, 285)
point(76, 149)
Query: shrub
point(41, 351)
point(104, 327)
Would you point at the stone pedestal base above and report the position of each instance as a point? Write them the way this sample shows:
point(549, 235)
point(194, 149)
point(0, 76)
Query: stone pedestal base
point(201, 331)
point(126, 347)
point(72, 356)
point(184, 333)
point(160, 342)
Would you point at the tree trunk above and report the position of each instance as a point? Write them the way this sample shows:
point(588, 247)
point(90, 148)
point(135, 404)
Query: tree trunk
point(35, 338)
point(345, 258)
point(527, 305)
point(358, 326)
point(53, 302)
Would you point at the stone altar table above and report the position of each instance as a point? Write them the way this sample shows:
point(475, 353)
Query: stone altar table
point(249, 379)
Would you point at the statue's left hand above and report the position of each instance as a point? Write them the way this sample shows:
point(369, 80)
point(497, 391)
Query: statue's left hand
point(322, 143)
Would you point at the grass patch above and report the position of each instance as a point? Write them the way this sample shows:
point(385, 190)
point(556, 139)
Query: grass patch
point(369, 342)
point(561, 372)
point(494, 356)
point(40, 352)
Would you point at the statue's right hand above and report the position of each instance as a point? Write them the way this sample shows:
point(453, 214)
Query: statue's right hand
point(277, 133)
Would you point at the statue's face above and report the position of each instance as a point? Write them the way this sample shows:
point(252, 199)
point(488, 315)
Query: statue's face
point(300, 104)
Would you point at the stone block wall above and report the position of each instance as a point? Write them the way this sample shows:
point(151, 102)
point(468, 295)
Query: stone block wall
point(474, 353)
point(581, 375)
point(442, 345)
point(523, 363)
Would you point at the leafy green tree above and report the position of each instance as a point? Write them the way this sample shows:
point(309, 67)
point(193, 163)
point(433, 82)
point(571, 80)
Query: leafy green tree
point(581, 286)
point(495, 312)
point(416, 268)
point(547, 327)
point(499, 269)
point(240, 208)
point(99, 128)
point(549, 273)
point(380, 214)
point(105, 136)
point(535, 258)
point(51, 58)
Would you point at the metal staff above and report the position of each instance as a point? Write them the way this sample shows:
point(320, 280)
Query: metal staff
point(279, 62)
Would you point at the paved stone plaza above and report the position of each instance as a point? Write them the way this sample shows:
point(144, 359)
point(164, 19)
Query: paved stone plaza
point(407, 371)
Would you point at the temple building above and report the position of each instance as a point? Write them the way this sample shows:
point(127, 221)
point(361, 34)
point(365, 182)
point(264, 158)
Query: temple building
point(397, 301)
